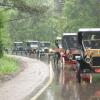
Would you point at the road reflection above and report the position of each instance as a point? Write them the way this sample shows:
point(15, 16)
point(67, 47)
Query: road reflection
point(65, 87)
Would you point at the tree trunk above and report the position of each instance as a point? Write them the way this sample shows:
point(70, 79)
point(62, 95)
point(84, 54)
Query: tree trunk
point(1, 49)
point(1, 45)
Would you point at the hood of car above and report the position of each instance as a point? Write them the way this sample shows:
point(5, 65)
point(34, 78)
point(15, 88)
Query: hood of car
point(92, 52)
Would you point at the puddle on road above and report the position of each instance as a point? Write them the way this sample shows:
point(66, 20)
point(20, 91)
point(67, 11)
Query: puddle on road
point(66, 88)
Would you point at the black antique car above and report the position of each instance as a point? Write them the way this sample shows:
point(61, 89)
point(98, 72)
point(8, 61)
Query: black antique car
point(17, 48)
point(43, 49)
point(31, 46)
point(89, 63)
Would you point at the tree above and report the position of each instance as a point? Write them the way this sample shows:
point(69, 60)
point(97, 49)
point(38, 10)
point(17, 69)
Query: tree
point(81, 13)
point(31, 26)
point(1, 45)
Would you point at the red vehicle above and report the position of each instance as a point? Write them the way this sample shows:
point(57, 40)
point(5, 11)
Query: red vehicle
point(71, 51)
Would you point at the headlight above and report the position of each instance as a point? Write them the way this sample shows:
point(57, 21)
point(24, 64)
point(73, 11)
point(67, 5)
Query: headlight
point(88, 60)
point(50, 50)
point(70, 56)
point(42, 50)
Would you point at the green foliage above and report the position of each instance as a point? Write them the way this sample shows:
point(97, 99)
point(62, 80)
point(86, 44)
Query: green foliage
point(31, 27)
point(46, 25)
point(1, 45)
point(5, 37)
point(31, 6)
point(37, 2)
point(8, 65)
point(81, 13)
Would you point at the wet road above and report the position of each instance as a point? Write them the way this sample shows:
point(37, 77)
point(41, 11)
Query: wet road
point(65, 87)
point(26, 83)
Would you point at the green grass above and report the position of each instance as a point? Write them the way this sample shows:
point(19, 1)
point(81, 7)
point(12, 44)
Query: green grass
point(8, 65)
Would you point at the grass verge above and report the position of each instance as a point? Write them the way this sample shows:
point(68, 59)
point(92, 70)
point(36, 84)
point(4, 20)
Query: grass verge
point(8, 65)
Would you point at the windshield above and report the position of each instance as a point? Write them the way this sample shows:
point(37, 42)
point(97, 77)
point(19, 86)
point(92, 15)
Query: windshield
point(32, 43)
point(44, 44)
point(91, 40)
point(17, 44)
point(69, 41)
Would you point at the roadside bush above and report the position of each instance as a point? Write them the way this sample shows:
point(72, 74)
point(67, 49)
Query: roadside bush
point(8, 65)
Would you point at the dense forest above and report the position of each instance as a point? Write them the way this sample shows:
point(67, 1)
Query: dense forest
point(22, 20)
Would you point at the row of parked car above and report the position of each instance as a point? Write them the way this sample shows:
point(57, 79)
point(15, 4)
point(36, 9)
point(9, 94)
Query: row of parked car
point(81, 49)
point(31, 47)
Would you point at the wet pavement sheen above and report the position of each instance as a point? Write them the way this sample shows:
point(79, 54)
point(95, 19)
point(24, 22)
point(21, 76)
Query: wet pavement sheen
point(65, 87)
point(26, 82)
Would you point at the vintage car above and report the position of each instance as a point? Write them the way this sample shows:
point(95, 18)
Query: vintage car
point(89, 63)
point(43, 49)
point(17, 47)
point(70, 46)
point(31, 47)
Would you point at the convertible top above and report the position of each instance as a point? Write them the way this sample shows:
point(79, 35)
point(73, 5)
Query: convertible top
point(31, 41)
point(89, 29)
point(18, 42)
point(69, 34)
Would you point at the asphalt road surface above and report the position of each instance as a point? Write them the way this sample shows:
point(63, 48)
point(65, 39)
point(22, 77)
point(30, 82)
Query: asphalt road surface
point(65, 87)
point(26, 83)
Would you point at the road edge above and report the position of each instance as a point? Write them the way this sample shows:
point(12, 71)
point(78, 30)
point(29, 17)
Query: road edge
point(46, 85)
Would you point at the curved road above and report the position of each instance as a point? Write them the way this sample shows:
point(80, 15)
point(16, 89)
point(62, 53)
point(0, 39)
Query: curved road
point(63, 87)
point(26, 82)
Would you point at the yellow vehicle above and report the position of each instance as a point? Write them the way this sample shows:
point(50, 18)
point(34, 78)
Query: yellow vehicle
point(89, 41)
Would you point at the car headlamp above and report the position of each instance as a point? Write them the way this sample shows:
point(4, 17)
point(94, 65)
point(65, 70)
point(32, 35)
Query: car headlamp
point(88, 60)
point(70, 56)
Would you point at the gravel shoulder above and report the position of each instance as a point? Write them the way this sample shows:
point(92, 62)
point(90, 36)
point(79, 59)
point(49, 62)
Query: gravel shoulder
point(33, 74)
